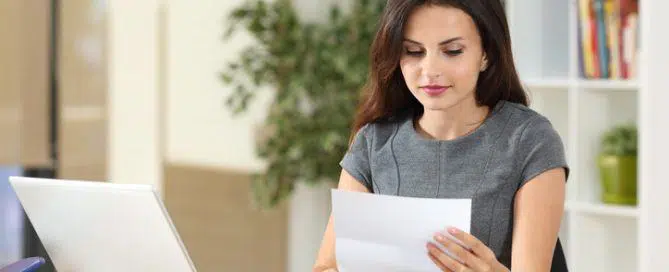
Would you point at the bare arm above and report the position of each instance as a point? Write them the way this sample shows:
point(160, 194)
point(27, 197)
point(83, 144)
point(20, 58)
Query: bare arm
point(326, 260)
point(538, 210)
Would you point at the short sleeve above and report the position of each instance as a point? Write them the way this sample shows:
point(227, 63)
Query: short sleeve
point(356, 159)
point(541, 149)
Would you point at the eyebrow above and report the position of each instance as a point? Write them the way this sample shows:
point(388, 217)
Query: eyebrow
point(441, 43)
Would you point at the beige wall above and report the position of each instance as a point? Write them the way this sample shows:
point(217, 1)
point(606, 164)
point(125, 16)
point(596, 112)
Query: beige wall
point(114, 77)
point(222, 230)
point(166, 126)
point(135, 134)
point(82, 88)
point(199, 128)
point(209, 154)
point(24, 82)
point(201, 131)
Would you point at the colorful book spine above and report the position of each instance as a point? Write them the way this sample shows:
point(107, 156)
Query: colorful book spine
point(628, 34)
point(612, 16)
point(585, 20)
point(602, 44)
point(608, 38)
point(586, 42)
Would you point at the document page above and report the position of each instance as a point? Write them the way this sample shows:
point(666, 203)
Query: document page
point(390, 233)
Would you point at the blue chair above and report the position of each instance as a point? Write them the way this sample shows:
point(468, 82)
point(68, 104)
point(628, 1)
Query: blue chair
point(26, 265)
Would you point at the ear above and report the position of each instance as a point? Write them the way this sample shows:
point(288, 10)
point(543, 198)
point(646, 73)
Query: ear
point(484, 62)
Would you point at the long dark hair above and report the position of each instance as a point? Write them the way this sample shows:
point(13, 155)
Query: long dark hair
point(386, 93)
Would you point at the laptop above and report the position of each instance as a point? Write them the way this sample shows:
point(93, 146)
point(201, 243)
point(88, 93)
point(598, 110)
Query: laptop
point(99, 226)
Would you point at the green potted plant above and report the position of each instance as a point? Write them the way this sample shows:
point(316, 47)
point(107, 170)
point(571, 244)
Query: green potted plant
point(618, 165)
point(315, 71)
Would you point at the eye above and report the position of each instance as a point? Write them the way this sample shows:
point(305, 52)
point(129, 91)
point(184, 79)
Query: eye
point(453, 52)
point(413, 52)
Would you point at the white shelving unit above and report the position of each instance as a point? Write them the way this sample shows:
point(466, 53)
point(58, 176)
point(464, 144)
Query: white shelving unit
point(596, 236)
point(602, 209)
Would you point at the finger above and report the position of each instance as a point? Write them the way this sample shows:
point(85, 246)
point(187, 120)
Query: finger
point(438, 263)
point(444, 259)
point(460, 253)
point(474, 244)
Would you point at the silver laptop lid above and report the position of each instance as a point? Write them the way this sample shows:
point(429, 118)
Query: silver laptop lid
point(96, 226)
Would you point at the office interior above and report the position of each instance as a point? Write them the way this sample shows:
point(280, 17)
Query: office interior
point(131, 92)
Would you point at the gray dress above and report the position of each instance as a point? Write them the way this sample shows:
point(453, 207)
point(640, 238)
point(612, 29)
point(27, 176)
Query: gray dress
point(489, 165)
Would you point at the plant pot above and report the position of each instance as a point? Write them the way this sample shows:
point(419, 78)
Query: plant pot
point(618, 176)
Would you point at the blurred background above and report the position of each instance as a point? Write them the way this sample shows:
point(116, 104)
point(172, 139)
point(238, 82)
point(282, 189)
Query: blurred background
point(238, 112)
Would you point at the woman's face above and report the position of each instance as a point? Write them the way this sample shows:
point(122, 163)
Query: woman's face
point(442, 56)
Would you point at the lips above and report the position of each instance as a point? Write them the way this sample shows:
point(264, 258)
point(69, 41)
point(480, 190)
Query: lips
point(434, 90)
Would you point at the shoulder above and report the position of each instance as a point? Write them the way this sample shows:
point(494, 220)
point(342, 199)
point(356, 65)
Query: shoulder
point(536, 143)
point(524, 122)
point(533, 136)
point(379, 132)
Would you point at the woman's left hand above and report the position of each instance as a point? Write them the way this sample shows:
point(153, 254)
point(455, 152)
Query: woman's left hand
point(473, 255)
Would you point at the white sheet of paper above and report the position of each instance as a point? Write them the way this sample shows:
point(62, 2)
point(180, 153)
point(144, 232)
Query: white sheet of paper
point(389, 233)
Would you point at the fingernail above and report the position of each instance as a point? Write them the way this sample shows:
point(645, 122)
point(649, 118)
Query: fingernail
point(453, 230)
point(440, 237)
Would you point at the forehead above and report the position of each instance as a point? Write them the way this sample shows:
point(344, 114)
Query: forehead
point(429, 22)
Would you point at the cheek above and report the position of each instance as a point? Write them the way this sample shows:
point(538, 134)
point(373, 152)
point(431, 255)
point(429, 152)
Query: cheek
point(462, 72)
point(465, 73)
point(410, 71)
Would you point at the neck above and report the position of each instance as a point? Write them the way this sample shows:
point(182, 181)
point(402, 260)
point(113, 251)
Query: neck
point(456, 121)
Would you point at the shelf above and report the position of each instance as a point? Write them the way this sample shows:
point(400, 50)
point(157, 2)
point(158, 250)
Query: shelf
point(588, 84)
point(549, 58)
point(548, 83)
point(602, 209)
point(608, 85)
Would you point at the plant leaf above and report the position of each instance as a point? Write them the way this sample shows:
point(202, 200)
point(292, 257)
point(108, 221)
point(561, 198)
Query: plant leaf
point(316, 72)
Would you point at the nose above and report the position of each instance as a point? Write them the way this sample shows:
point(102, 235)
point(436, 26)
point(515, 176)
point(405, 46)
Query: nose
point(431, 66)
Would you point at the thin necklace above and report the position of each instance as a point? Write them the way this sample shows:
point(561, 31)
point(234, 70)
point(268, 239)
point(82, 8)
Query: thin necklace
point(477, 123)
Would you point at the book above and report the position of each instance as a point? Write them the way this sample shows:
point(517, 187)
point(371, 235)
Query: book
point(629, 10)
point(612, 17)
point(585, 21)
point(601, 37)
point(608, 33)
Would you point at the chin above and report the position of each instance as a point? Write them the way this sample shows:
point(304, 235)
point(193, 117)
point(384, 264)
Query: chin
point(443, 102)
point(436, 105)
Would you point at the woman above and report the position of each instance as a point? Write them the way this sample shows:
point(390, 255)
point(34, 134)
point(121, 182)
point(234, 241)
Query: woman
point(445, 116)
